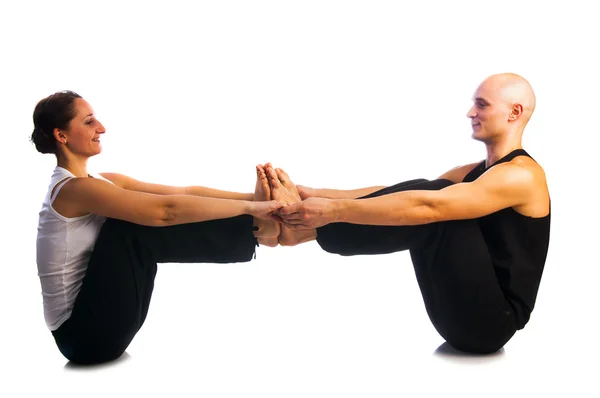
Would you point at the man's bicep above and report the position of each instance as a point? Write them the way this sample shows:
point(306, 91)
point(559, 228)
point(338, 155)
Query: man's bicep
point(499, 188)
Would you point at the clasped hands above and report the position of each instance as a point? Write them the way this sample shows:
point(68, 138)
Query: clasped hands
point(302, 210)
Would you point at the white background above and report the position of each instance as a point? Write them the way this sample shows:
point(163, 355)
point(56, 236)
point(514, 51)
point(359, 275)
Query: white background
point(341, 94)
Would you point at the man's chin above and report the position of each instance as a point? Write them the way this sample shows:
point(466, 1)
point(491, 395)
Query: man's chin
point(477, 134)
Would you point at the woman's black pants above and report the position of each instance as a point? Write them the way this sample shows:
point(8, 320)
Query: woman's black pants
point(115, 295)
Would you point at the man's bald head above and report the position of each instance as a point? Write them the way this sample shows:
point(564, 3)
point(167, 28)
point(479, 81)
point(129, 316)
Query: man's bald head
point(502, 105)
point(511, 89)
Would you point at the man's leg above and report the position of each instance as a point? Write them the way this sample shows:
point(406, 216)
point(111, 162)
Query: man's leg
point(454, 270)
point(355, 239)
point(283, 189)
point(460, 289)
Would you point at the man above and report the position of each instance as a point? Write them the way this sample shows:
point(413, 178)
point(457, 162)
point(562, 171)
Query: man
point(478, 235)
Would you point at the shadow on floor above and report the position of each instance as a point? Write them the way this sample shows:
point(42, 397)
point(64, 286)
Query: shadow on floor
point(451, 354)
point(71, 366)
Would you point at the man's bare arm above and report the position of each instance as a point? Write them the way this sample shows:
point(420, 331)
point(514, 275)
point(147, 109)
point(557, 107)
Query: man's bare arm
point(503, 186)
point(506, 185)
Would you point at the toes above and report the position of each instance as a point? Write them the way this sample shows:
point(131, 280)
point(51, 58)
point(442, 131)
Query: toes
point(285, 180)
point(264, 182)
point(261, 174)
point(288, 184)
point(283, 177)
point(272, 176)
point(263, 189)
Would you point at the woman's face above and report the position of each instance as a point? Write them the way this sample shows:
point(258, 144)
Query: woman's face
point(83, 134)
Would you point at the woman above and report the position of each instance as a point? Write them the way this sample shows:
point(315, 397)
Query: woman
point(100, 237)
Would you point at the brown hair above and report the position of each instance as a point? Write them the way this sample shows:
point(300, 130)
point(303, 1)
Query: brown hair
point(54, 111)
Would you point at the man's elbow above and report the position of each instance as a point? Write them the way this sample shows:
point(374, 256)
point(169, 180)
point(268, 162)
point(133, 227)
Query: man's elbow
point(429, 213)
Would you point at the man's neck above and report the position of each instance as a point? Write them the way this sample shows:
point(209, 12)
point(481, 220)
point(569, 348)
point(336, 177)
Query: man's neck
point(497, 151)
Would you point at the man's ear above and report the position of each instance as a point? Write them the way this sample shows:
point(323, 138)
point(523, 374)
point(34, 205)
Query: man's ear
point(516, 112)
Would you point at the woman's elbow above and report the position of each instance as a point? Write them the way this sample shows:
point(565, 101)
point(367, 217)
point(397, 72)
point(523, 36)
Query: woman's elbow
point(160, 215)
point(166, 215)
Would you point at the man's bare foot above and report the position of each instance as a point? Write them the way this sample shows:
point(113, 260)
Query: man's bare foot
point(284, 190)
point(268, 231)
point(306, 192)
point(278, 190)
point(285, 180)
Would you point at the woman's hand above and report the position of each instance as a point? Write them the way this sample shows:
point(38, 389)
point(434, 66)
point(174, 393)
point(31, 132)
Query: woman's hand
point(265, 209)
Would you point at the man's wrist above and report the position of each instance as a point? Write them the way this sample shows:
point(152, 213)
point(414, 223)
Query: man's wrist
point(340, 209)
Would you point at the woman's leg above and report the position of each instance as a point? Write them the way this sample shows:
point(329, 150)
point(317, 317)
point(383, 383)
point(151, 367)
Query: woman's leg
point(115, 295)
point(267, 231)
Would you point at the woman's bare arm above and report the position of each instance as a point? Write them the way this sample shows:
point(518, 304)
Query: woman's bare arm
point(81, 196)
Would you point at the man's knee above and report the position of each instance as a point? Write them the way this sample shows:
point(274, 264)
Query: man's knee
point(477, 347)
point(477, 339)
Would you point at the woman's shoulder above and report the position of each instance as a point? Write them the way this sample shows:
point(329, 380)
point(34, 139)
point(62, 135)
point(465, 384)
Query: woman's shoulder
point(114, 178)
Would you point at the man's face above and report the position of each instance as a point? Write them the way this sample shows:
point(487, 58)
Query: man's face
point(490, 112)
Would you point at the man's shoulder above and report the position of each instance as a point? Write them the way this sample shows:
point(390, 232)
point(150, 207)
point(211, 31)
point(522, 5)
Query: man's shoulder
point(529, 165)
point(529, 174)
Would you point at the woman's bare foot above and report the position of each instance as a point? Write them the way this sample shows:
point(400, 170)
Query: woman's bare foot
point(284, 190)
point(268, 231)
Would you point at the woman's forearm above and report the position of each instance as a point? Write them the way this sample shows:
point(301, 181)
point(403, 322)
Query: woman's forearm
point(183, 209)
point(217, 193)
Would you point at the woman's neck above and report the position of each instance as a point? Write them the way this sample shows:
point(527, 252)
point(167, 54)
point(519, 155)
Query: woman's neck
point(78, 168)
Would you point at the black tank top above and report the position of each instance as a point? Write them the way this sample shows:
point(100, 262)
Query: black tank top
point(518, 246)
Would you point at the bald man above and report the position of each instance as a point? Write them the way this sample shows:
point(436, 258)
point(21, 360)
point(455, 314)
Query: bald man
point(478, 235)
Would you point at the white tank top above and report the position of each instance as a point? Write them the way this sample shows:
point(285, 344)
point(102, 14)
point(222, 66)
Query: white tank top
point(64, 246)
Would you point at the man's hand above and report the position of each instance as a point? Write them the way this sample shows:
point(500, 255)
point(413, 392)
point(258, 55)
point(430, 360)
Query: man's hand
point(309, 214)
